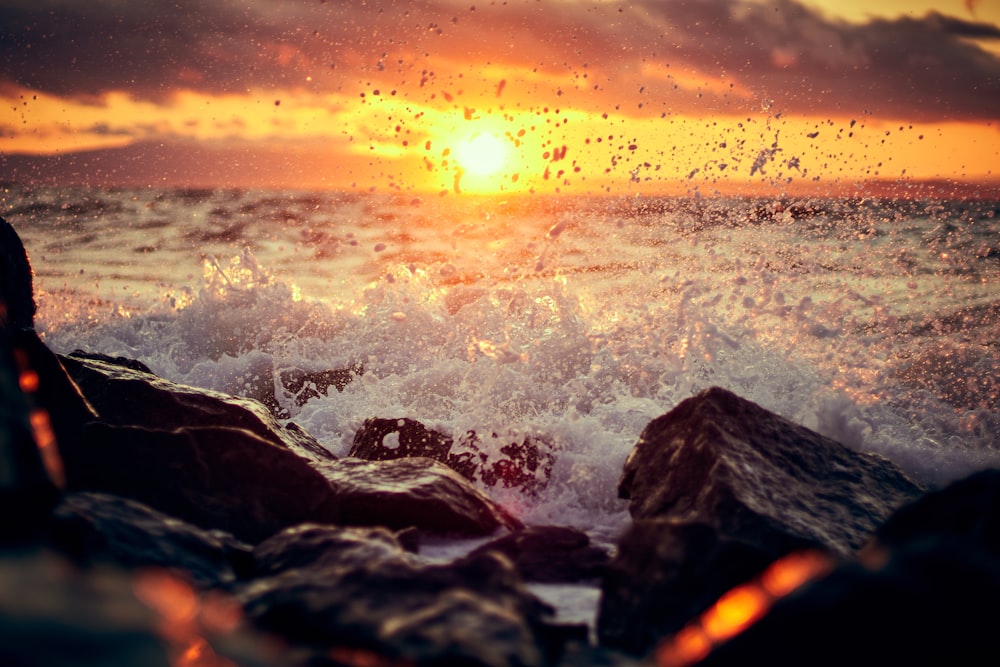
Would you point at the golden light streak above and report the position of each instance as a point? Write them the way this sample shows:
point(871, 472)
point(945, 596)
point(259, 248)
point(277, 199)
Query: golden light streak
point(740, 608)
point(378, 139)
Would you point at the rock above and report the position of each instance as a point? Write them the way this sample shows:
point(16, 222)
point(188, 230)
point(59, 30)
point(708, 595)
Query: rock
point(125, 395)
point(27, 489)
point(475, 611)
point(413, 492)
point(665, 572)
point(214, 477)
point(550, 554)
point(96, 527)
point(930, 603)
point(17, 298)
point(966, 512)
point(525, 463)
point(291, 385)
point(754, 476)
point(301, 385)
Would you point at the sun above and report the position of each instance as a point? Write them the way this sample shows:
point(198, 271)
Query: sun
point(482, 154)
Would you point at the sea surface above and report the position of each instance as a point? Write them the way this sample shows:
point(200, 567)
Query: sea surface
point(875, 322)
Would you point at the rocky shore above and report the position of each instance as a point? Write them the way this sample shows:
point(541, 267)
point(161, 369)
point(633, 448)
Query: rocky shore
point(149, 523)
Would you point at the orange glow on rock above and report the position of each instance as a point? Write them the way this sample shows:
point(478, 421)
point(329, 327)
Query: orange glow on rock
point(686, 648)
point(168, 595)
point(735, 611)
point(741, 607)
point(790, 572)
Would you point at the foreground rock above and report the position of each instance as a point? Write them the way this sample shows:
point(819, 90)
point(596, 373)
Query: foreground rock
point(923, 593)
point(346, 590)
point(722, 460)
point(719, 489)
point(667, 572)
point(524, 463)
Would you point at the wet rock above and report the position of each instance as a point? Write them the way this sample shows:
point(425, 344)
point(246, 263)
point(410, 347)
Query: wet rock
point(95, 528)
point(55, 613)
point(666, 572)
point(123, 395)
point(413, 492)
point(302, 385)
point(475, 611)
point(214, 477)
point(525, 463)
point(722, 460)
point(551, 554)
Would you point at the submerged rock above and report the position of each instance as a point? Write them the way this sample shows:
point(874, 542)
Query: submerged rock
point(524, 464)
point(722, 460)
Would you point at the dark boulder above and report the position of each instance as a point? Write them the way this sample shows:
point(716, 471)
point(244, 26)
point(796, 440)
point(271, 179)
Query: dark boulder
point(551, 554)
point(413, 492)
point(930, 603)
point(665, 572)
point(214, 477)
point(966, 512)
point(17, 298)
point(727, 462)
point(522, 463)
point(126, 395)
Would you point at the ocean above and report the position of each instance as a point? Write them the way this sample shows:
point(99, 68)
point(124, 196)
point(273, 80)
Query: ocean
point(872, 321)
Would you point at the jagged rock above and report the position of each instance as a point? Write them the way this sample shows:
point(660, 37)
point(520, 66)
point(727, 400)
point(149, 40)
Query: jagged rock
point(123, 394)
point(214, 477)
point(413, 492)
point(97, 527)
point(665, 572)
point(551, 554)
point(524, 463)
point(753, 475)
point(474, 611)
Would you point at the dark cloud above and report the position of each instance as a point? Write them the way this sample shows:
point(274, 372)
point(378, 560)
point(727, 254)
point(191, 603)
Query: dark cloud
point(595, 55)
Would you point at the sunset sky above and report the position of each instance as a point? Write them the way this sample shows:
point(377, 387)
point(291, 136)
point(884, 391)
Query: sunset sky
point(574, 96)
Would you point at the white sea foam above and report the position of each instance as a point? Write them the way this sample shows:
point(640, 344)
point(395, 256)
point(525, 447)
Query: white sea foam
point(578, 319)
